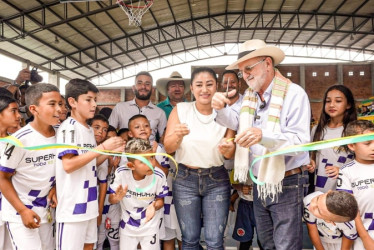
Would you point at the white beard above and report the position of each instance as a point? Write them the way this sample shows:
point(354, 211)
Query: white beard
point(256, 83)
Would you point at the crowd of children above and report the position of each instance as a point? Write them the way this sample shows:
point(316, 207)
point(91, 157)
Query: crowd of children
point(75, 198)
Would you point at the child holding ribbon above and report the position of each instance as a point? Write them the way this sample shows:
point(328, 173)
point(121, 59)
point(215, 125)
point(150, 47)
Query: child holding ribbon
point(357, 178)
point(76, 176)
point(9, 118)
point(141, 192)
point(338, 110)
point(139, 127)
point(27, 176)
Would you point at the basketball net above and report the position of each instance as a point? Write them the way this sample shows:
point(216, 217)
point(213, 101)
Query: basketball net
point(135, 9)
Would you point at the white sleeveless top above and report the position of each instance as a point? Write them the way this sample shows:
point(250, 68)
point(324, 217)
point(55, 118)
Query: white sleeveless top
point(200, 147)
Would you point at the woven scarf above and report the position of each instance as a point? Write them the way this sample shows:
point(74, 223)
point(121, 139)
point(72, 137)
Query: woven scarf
point(272, 169)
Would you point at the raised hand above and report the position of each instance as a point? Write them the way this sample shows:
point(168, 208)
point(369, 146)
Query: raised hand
point(220, 99)
point(114, 144)
point(181, 130)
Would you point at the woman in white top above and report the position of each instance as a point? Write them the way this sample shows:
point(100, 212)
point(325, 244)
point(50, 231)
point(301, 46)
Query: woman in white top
point(202, 185)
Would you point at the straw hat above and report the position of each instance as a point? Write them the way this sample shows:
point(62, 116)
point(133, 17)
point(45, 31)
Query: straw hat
point(162, 83)
point(254, 48)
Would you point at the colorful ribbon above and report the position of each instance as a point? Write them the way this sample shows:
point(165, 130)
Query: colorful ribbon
point(311, 147)
point(291, 149)
point(141, 157)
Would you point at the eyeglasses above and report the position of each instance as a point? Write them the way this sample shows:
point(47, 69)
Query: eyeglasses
point(248, 69)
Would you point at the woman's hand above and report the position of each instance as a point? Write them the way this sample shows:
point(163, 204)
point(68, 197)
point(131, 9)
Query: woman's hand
point(181, 130)
point(226, 146)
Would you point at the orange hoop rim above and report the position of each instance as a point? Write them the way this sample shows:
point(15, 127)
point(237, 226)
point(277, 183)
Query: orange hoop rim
point(121, 2)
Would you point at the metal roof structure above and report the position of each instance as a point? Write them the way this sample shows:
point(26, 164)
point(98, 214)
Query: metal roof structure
point(93, 38)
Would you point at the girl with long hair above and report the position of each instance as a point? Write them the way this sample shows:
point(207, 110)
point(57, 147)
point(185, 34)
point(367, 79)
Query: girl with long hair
point(337, 111)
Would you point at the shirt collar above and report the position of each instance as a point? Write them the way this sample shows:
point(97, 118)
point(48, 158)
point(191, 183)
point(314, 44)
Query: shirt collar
point(149, 105)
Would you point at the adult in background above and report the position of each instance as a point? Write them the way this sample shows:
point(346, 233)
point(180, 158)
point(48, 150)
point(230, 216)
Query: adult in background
point(174, 88)
point(141, 104)
point(202, 184)
point(275, 113)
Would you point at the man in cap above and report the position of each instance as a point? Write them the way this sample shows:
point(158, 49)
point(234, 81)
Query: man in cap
point(141, 104)
point(275, 113)
point(174, 88)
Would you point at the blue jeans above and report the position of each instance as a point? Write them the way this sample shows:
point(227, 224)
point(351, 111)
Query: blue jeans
point(278, 222)
point(206, 192)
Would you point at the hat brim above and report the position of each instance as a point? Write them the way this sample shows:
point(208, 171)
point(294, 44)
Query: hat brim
point(276, 53)
point(162, 83)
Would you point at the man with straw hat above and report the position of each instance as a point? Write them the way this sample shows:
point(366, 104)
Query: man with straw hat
point(275, 113)
point(174, 88)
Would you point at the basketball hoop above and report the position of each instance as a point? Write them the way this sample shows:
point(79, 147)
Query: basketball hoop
point(135, 9)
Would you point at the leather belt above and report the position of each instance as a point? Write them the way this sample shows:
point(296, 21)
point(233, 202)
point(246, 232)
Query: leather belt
point(298, 170)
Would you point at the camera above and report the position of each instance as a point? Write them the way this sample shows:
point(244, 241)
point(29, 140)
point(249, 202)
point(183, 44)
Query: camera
point(34, 76)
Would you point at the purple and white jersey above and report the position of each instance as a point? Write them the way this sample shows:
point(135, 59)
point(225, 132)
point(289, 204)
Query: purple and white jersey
point(112, 211)
point(329, 157)
point(134, 204)
point(34, 173)
point(102, 172)
point(2, 146)
point(170, 215)
point(77, 191)
point(358, 179)
point(102, 175)
point(328, 232)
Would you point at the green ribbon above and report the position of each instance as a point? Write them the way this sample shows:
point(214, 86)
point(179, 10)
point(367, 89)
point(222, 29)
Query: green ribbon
point(311, 147)
point(141, 157)
point(291, 149)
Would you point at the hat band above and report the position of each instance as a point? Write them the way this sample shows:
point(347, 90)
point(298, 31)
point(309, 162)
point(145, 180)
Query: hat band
point(244, 53)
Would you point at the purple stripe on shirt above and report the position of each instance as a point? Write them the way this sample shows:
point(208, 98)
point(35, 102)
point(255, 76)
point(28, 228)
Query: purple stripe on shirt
point(345, 190)
point(68, 151)
point(7, 170)
point(134, 223)
point(92, 194)
point(80, 208)
point(321, 181)
point(111, 191)
point(11, 235)
point(61, 231)
point(40, 202)
point(27, 131)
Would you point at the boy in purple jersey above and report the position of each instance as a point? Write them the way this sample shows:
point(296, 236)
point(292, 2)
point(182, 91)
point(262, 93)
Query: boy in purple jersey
point(329, 218)
point(357, 178)
point(27, 178)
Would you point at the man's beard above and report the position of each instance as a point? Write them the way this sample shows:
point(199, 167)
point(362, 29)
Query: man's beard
point(142, 97)
point(256, 83)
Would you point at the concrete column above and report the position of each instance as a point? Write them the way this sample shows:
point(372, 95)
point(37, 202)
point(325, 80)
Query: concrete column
point(157, 97)
point(302, 76)
point(123, 94)
point(340, 74)
point(372, 78)
point(53, 78)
